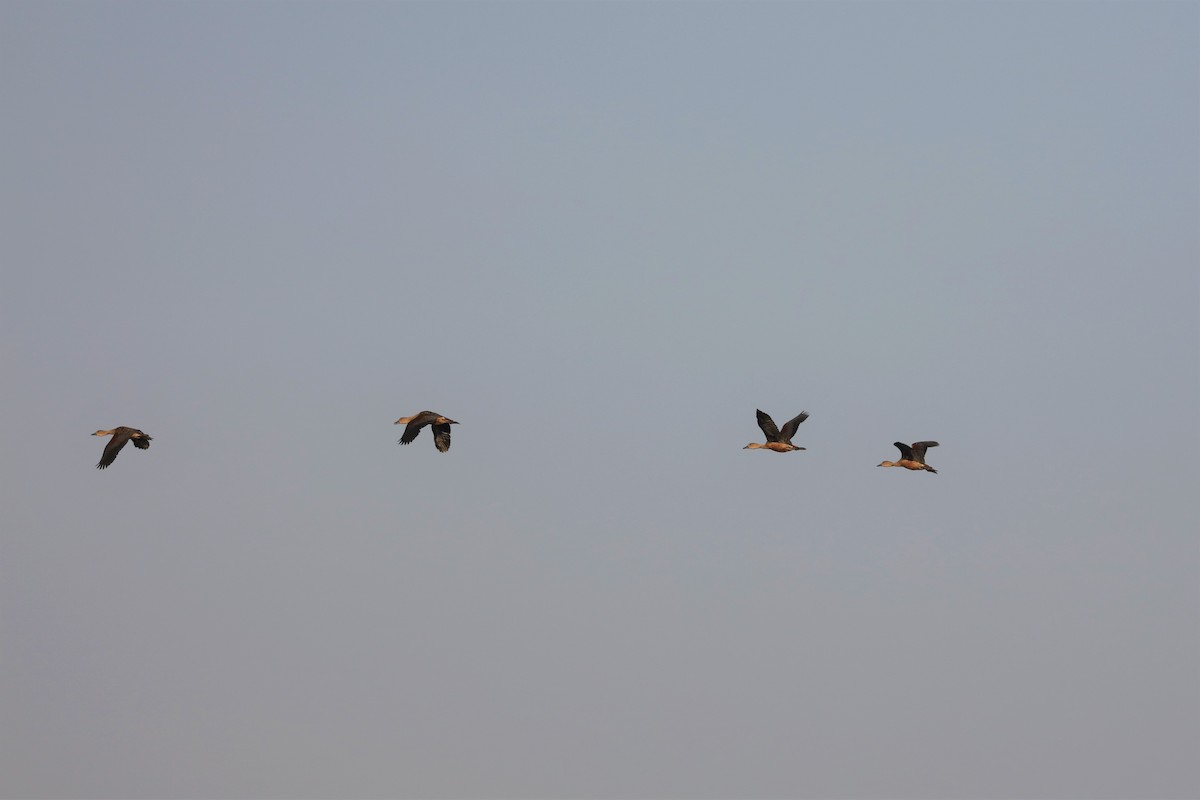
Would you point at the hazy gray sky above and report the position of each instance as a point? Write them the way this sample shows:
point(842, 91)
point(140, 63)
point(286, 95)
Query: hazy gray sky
point(600, 235)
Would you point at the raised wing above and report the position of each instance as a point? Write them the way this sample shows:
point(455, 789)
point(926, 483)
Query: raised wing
point(919, 448)
point(768, 426)
point(906, 453)
point(789, 430)
point(142, 442)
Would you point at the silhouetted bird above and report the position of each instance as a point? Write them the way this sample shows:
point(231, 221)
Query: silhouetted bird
point(119, 437)
point(441, 428)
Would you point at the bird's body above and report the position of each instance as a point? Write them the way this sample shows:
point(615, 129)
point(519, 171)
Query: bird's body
point(778, 440)
point(441, 428)
point(120, 436)
point(912, 456)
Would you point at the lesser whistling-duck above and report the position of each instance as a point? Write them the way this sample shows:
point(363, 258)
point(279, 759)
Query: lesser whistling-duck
point(441, 428)
point(912, 456)
point(119, 437)
point(777, 440)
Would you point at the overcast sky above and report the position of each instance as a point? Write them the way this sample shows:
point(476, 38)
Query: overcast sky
point(600, 235)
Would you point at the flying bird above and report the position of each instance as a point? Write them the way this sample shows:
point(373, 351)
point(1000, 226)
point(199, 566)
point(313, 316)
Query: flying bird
point(912, 456)
point(777, 440)
point(441, 428)
point(119, 437)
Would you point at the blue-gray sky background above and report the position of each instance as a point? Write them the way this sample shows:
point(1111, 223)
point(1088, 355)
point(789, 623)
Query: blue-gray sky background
point(600, 235)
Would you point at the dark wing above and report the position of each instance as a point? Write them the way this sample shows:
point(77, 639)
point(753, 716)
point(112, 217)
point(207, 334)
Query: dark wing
point(441, 437)
point(413, 428)
point(906, 453)
point(789, 430)
point(142, 442)
point(768, 426)
point(919, 448)
point(111, 449)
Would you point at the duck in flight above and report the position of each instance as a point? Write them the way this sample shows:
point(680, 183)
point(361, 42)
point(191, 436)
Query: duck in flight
point(119, 437)
point(778, 440)
point(912, 456)
point(441, 428)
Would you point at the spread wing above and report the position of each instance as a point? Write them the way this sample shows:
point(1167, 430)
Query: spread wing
point(789, 430)
point(111, 449)
point(441, 437)
point(906, 453)
point(412, 429)
point(768, 426)
point(142, 442)
point(919, 448)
